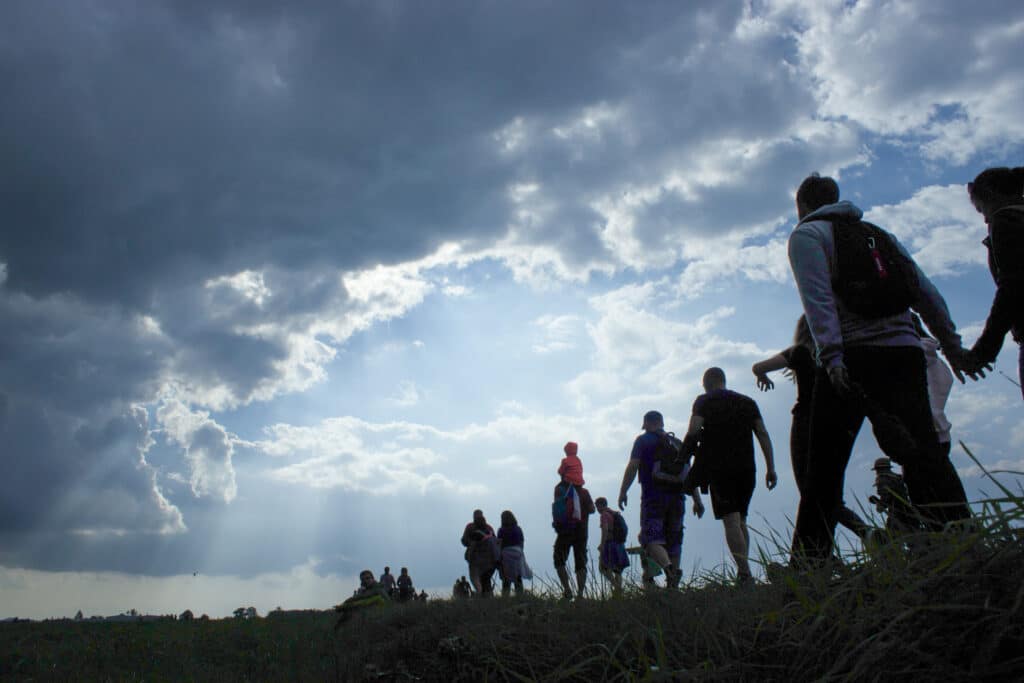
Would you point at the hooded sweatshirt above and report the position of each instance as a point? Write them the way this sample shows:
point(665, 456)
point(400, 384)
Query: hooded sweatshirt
point(812, 256)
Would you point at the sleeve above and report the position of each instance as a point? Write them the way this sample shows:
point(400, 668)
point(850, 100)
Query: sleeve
point(812, 270)
point(1008, 300)
point(637, 452)
point(698, 405)
point(788, 356)
point(930, 304)
point(1007, 251)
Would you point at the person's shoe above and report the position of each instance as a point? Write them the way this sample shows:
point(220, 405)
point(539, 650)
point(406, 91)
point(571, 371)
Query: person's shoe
point(672, 576)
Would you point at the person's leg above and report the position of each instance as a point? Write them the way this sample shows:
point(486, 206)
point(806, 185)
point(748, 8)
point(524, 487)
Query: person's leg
point(486, 582)
point(737, 541)
point(561, 556)
point(674, 540)
point(474, 577)
point(506, 586)
point(896, 379)
point(657, 552)
point(799, 442)
point(834, 423)
point(519, 585)
point(579, 558)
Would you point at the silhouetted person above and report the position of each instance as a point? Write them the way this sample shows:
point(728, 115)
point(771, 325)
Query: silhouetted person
point(726, 422)
point(405, 588)
point(997, 195)
point(799, 359)
point(512, 568)
point(857, 284)
point(573, 538)
point(387, 579)
point(481, 554)
point(661, 507)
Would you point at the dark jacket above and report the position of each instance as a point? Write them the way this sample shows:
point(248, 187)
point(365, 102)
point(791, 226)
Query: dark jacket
point(1005, 243)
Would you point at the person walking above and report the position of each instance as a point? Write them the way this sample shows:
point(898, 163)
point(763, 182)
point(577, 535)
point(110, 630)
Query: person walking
point(998, 195)
point(661, 507)
point(725, 423)
point(571, 533)
point(799, 360)
point(857, 284)
point(481, 554)
point(512, 568)
point(387, 580)
point(611, 551)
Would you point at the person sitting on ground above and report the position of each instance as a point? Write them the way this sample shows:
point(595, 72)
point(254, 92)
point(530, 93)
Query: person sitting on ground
point(369, 594)
point(724, 421)
point(405, 589)
point(799, 360)
point(571, 468)
point(997, 195)
point(857, 284)
point(387, 579)
point(482, 554)
point(513, 568)
point(611, 551)
point(661, 507)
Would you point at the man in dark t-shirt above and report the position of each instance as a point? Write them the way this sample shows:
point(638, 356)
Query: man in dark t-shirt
point(723, 421)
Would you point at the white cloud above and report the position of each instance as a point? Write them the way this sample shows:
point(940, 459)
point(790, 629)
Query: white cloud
point(559, 333)
point(939, 226)
point(408, 395)
point(208, 449)
point(865, 69)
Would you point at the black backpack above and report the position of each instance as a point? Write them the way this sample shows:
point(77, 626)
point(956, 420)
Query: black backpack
point(671, 462)
point(873, 278)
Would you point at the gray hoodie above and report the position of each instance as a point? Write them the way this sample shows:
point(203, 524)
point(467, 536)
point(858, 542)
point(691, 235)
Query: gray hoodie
point(812, 256)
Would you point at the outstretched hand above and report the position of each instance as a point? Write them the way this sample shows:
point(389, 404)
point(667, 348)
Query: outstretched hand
point(964, 362)
point(764, 383)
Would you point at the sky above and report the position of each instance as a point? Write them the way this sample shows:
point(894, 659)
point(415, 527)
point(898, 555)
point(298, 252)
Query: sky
point(287, 291)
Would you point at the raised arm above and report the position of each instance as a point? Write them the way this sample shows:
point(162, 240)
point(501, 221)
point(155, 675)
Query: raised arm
point(762, 368)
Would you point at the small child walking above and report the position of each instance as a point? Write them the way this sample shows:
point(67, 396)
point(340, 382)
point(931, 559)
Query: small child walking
point(571, 469)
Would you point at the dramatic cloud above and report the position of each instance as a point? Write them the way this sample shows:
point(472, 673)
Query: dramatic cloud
point(267, 268)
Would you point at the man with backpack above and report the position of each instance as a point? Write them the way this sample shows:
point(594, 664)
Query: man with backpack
point(661, 502)
point(723, 422)
point(611, 551)
point(570, 514)
point(857, 284)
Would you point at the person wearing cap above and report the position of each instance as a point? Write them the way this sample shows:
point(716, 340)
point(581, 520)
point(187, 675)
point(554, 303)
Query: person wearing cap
point(661, 510)
point(571, 468)
point(893, 499)
point(724, 422)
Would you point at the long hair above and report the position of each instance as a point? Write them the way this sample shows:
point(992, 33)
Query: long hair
point(508, 519)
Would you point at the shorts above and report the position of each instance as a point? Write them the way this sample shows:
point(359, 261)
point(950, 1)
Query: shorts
point(661, 521)
point(614, 557)
point(732, 493)
point(577, 540)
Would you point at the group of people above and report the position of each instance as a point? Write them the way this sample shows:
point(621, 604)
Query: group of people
point(866, 346)
point(861, 350)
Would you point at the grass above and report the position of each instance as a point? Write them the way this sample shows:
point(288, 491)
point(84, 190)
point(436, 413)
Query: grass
point(953, 610)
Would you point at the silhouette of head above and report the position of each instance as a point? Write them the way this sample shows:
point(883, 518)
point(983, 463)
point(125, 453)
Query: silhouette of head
point(714, 378)
point(405, 571)
point(996, 187)
point(815, 192)
point(478, 517)
point(387, 570)
point(653, 421)
point(366, 578)
point(508, 519)
point(601, 503)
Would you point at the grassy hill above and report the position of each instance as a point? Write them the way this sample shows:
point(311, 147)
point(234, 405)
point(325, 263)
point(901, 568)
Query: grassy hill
point(949, 611)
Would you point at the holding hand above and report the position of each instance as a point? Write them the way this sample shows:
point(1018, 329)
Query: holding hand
point(839, 376)
point(964, 362)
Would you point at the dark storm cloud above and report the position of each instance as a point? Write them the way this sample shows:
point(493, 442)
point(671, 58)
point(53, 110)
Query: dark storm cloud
point(145, 144)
